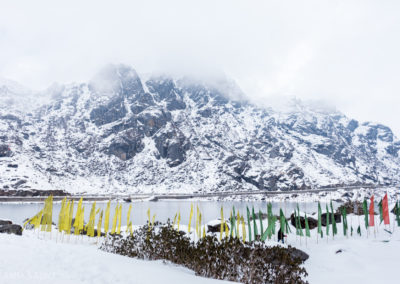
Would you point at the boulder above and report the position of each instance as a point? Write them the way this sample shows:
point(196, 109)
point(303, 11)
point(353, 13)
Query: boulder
point(263, 216)
point(215, 228)
point(5, 222)
point(11, 229)
point(312, 223)
point(338, 218)
point(296, 253)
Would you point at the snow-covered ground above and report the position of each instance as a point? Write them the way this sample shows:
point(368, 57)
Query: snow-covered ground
point(369, 258)
point(28, 259)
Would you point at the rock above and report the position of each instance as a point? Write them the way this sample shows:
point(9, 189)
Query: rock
point(215, 228)
point(19, 183)
point(312, 223)
point(5, 222)
point(338, 218)
point(263, 216)
point(296, 253)
point(5, 151)
point(32, 192)
point(11, 229)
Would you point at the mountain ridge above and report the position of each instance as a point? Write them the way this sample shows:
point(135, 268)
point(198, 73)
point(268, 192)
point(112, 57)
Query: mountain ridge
point(119, 133)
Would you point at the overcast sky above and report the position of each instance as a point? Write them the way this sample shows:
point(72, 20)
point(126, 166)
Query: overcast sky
point(344, 52)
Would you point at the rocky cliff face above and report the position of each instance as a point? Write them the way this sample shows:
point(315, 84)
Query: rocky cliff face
point(119, 133)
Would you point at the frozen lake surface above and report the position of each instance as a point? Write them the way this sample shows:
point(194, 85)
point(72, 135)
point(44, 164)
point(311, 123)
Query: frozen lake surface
point(17, 212)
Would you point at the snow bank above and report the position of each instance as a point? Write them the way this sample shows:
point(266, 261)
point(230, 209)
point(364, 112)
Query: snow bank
point(28, 259)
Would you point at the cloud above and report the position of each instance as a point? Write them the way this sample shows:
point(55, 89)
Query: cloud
point(343, 52)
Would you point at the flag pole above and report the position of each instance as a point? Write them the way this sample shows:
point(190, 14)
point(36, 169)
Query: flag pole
point(283, 237)
point(305, 221)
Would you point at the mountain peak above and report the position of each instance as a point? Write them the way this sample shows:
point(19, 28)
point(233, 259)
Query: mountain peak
point(168, 135)
point(116, 79)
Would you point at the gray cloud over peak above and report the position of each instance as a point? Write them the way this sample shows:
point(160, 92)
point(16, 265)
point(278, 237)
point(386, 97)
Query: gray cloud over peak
point(341, 52)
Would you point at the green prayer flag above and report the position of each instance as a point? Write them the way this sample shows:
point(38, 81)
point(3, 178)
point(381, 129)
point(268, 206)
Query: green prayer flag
point(319, 220)
point(334, 228)
point(344, 215)
point(248, 223)
point(365, 209)
point(327, 220)
point(254, 224)
point(307, 227)
point(299, 221)
point(271, 223)
point(261, 221)
point(282, 221)
point(287, 228)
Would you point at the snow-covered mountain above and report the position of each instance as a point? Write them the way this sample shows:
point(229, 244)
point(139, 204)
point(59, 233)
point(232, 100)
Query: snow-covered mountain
point(120, 133)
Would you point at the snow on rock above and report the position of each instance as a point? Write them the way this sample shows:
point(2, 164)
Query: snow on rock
point(120, 133)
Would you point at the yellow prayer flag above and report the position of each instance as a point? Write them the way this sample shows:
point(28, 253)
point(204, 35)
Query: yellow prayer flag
point(237, 224)
point(99, 224)
point(92, 217)
point(50, 214)
point(66, 216)
point(81, 220)
point(114, 224)
point(45, 215)
point(243, 229)
point(107, 217)
point(222, 224)
point(179, 219)
point(173, 225)
point(71, 213)
point(61, 215)
point(39, 219)
point(128, 217)
point(130, 229)
point(190, 217)
point(119, 219)
point(77, 218)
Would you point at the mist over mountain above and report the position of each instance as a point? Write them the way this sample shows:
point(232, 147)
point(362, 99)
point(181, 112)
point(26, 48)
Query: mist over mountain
point(123, 133)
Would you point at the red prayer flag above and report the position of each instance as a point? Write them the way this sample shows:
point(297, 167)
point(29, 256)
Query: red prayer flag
point(371, 213)
point(385, 210)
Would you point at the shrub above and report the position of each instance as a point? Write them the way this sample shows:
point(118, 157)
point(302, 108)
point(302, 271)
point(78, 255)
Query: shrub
point(229, 259)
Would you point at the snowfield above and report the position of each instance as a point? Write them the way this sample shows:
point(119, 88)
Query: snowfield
point(28, 259)
point(35, 258)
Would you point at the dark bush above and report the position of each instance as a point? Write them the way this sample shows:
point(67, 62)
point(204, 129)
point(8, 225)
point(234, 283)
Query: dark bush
point(352, 207)
point(229, 259)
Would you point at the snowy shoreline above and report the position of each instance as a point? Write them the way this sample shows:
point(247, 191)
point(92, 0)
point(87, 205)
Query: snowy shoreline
point(339, 195)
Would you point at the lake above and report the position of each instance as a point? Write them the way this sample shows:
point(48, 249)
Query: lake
point(17, 212)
